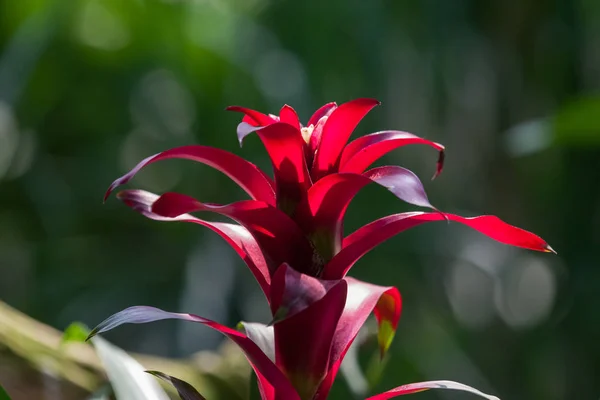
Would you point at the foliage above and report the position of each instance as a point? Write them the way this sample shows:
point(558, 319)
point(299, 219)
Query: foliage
point(90, 87)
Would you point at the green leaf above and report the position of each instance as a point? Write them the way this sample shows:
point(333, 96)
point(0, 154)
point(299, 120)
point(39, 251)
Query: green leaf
point(76, 332)
point(3, 394)
point(578, 122)
point(374, 370)
point(254, 392)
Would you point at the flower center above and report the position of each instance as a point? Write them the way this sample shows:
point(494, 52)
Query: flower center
point(307, 132)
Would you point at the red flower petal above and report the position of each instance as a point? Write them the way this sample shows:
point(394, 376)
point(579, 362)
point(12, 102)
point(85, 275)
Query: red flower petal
point(303, 341)
point(336, 133)
point(253, 117)
point(268, 373)
point(365, 150)
point(321, 214)
point(369, 236)
point(363, 298)
point(327, 109)
point(277, 234)
point(247, 175)
point(289, 116)
point(422, 386)
point(285, 147)
point(238, 237)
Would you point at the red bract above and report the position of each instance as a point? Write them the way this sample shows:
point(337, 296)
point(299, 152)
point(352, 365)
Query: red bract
point(290, 234)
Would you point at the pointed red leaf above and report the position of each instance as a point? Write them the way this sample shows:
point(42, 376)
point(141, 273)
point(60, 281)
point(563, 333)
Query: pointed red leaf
point(315, 140)
point(303, 341)
point(422, 386)
point(289, 116)
point(276, 233)
point(238, 237)
point(363, 298)
point(365, 150)
point(247, 175)
point(285, 147)
point(321, 214)
point(317, 122)
point(293, 292)
point(340, 125)
point(371, 235)
point(325, 110)
point(253, 117)
point(267, 372)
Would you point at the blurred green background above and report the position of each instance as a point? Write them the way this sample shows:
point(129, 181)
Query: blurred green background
point(511, 88)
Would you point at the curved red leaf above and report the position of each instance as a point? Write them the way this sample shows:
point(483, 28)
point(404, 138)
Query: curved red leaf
point(423, 386)
point(247, 175)
point(336, 132)
point(276, 233)
point(371, 235)
point(253, 117)
point(322, 212)
point(303, 341)
point(317, 122)
point(325, 110)
point(314, 141)
point(363, 298)
point(285, 147)
point(267, 372)
point(365, 150)
point(289, 116)
point(238, 237)
point(402, 182)
point(293, 291)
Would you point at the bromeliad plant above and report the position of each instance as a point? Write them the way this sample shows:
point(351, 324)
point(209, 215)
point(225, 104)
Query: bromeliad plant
point(290, 234)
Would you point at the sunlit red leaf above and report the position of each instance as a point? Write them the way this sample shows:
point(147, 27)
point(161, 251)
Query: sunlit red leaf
point(253, 117)
point(267, 372)
point(422, 386)
point(285, 147)
point(325, 110)
point(247, 175)
point(315, 140)
point(303, 341)
point(323, 210)
point(289, 116)
point(340, 125)
point(364, 151)
point(363, 298)
point(369, 236)
point(238, 237)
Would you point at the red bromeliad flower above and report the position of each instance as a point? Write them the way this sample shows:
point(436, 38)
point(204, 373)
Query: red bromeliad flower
point(290, 235)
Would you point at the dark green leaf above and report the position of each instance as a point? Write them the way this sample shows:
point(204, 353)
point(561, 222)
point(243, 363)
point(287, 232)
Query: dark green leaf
point(3, 394)
point(184, 389)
